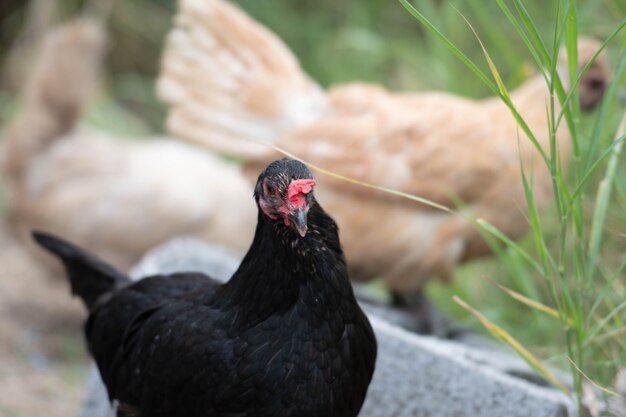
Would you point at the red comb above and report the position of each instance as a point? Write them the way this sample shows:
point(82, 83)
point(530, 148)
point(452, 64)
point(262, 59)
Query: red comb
point(297, 188)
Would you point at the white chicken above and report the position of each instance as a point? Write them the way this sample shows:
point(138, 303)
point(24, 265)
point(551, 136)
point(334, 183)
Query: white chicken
point(117, 198)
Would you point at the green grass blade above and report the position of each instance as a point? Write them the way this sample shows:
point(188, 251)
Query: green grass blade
point(533, 214)
point(602, 201)
point(510, 243)
point(503, 336)
point(504, 95)
point(585, 179)
point(456, 51)
point(600, 325)
point(540, 56)
point(361, 183)
point(535, 305)
point(572, 56)
point(595, 384)
point(531, 27)
point(602, 113)
point(608, 286)
point(579, 77)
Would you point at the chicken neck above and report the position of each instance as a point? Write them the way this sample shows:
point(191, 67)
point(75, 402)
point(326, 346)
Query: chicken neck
point(294, 271)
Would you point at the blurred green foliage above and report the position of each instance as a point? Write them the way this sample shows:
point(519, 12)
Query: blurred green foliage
point(336, 40)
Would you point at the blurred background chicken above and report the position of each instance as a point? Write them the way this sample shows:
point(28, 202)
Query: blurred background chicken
point(232, 85)
point(118, 198)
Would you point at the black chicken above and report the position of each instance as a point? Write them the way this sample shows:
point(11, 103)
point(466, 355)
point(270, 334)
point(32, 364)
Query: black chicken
point(284, 337)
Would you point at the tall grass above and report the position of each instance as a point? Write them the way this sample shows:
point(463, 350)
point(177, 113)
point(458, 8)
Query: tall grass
point(564, 265)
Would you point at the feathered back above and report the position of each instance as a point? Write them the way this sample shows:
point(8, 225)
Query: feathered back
point(227, 79)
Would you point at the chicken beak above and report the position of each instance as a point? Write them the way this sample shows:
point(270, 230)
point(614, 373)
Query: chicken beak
point(298, 220)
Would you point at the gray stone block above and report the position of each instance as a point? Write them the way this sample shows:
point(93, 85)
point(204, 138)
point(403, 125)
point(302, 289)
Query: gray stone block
point(416, 376)
point(96, 402)
point(422, 376)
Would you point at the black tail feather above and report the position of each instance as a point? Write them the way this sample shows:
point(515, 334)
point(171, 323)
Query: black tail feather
point(90, 277)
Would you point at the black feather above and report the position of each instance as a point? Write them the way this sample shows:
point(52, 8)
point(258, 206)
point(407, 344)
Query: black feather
point(90, 278)
point(284, 337)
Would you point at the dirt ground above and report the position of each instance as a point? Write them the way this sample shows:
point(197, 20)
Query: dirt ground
point(43, 362)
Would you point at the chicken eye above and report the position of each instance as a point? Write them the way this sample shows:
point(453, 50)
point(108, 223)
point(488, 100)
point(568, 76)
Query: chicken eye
point(269, 190)
point(596, 84)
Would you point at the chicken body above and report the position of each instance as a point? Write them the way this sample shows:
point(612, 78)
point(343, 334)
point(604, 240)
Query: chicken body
point(397, 141)
point(95, 189)
point(284, 337)
point(231, 85)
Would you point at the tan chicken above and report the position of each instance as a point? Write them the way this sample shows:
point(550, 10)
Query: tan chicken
point(118, 198)
point(232, 85)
